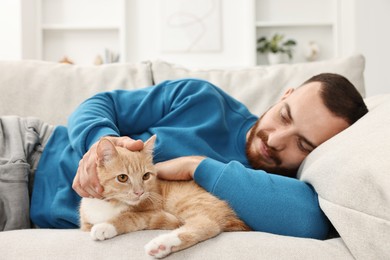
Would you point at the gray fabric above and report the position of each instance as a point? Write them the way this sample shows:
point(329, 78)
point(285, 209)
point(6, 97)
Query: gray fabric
point(22, 141)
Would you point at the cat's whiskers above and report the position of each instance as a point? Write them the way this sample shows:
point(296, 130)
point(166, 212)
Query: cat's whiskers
point(125, 198)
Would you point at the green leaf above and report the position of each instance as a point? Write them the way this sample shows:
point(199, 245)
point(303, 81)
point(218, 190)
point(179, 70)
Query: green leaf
point(275, 44)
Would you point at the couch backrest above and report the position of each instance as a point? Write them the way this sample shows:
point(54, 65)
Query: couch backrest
point(260, 87)
point(51, 91)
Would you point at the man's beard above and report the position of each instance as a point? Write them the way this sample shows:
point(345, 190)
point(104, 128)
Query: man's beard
point(255, 159)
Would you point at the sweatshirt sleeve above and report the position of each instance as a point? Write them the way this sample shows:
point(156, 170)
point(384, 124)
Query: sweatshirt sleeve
point(265, 202)
point(115, 113)
point(131, 112)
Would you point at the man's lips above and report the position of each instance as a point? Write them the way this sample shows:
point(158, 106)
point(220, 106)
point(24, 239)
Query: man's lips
point(264, 151)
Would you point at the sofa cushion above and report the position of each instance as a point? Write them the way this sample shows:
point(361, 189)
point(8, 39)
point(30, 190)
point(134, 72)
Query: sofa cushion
point(75, 244)
point(51, 91)
point(351, 174)
point(260, 87)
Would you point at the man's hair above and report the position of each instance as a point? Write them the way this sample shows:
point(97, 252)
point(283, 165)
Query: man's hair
point(340, 96)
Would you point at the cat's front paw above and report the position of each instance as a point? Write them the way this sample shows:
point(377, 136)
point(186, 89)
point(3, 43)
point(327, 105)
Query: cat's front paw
point(162, 245)
point(103, 231)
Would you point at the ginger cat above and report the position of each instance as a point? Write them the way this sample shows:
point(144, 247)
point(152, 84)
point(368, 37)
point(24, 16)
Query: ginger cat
point(135, 199)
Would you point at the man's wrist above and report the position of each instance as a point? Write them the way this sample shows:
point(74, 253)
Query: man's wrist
point(194, 162)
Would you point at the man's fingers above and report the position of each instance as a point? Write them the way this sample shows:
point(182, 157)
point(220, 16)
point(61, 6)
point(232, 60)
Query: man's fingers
point(86, 182)
point(77, 186)
point(135, 145)
point(128, 143)
point(89, 181)
point(92, 192)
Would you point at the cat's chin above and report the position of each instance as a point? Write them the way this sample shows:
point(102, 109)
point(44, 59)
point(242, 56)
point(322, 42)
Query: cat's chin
point(124, 201)
point(132, 203)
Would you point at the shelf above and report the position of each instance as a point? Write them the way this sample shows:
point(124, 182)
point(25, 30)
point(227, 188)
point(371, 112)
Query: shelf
point(319, 23)
point(323, 36)
point(295, 11)
point(82, 47)
point(90, 12)
point(65, 27)
point(291, 24)
point(81, 30)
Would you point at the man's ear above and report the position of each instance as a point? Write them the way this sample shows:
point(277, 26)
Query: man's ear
point(287, 93)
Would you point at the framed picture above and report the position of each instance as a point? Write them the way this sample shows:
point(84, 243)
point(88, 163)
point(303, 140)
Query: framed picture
point(190, 25)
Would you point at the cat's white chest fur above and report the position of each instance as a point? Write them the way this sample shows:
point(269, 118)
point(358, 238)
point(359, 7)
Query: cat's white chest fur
point(98, 211)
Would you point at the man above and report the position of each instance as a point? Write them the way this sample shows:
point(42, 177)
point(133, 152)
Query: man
point(206, 135)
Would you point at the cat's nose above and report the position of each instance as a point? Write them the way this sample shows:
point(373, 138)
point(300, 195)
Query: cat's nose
point(139, 193)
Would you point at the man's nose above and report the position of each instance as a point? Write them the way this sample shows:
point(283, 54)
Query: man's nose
point(278, 139)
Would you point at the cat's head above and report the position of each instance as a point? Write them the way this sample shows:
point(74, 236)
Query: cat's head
point(126, 176)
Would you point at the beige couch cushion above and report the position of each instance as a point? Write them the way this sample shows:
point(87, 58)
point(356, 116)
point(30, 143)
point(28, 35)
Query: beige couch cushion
point(260, 87)
point(51, 91)
point(351, 173)
point(75, 244)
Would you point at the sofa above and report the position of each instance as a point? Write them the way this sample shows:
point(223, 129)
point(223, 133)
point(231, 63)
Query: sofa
point(350, 172)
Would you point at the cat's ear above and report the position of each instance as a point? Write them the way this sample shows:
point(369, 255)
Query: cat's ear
point(149, 144)
point(105, 151)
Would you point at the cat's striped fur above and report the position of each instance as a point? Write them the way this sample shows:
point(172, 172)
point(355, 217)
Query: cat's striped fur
point(135, 199)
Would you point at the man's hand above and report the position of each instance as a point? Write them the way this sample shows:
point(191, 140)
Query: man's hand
point(180, 169)
point(86, 182)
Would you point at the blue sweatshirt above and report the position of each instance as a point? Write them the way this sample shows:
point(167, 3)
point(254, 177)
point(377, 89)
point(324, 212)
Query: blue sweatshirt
point(189, 117)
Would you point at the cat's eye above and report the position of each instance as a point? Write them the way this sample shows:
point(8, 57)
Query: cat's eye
point(122, 177)
point(146, 176)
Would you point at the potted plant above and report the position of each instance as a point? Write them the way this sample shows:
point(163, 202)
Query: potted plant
point(276, 48)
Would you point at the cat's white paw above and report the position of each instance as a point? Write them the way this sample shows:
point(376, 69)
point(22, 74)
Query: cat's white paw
point(103, 231)
point(161, 246)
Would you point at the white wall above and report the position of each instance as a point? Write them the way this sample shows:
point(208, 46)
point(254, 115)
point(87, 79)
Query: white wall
point(17, 28)
point(10, 30)
point(373, 40)
point(369, 21)
point(144, 29)
point(369, 34)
